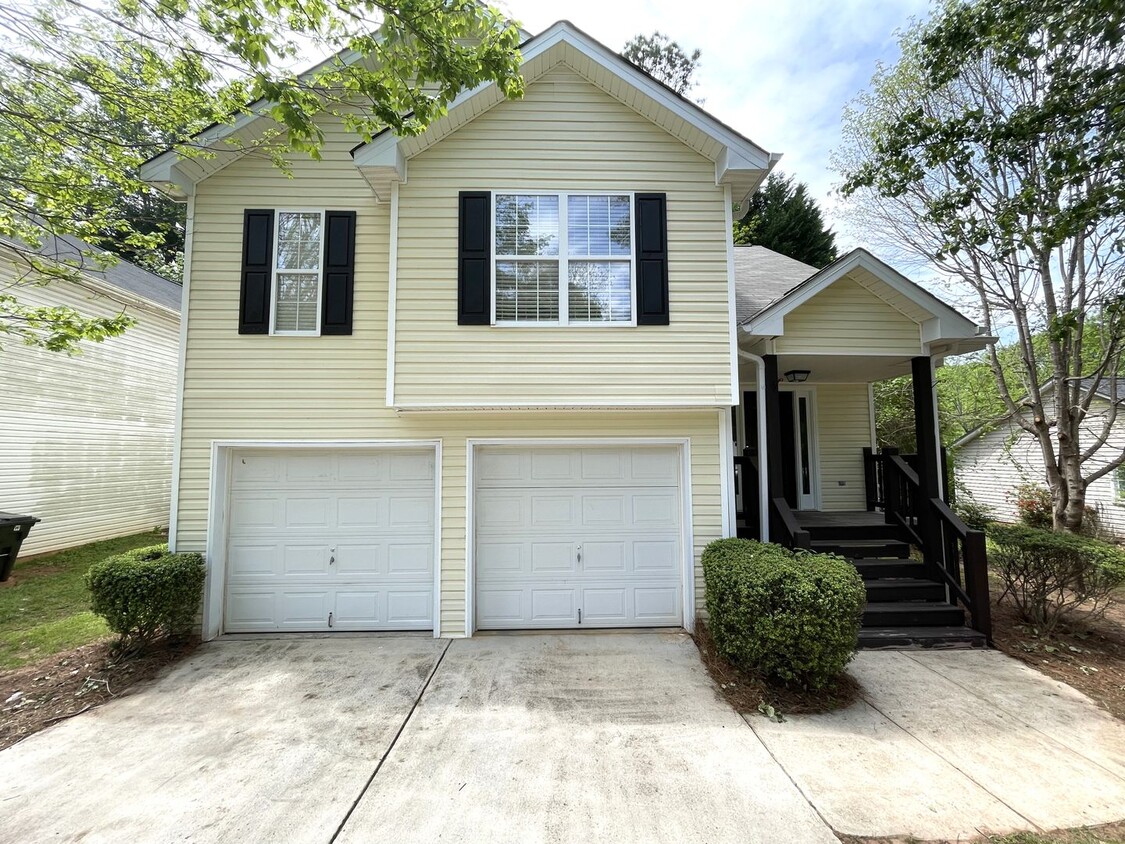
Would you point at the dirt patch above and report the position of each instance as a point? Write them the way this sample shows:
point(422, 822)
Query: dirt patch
point(1088, 654)
point(1113, 833)
point(67, 684)
point(746, 692)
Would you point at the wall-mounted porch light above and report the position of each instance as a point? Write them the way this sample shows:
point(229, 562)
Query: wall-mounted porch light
point(797, 376)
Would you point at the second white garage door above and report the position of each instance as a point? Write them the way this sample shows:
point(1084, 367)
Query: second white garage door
point(578, 537)
point(330, 540)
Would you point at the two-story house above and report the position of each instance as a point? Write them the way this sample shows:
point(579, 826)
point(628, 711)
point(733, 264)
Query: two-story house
point(483, 378)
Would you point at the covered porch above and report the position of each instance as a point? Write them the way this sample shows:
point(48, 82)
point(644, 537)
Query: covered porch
point(807, 469)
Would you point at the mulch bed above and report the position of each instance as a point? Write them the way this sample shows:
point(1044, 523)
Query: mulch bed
point(746, 692)
point(1088, 654)
point(36, 696)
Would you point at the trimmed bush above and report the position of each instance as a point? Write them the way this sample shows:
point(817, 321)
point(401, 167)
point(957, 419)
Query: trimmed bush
point(146, 593)
point(789, 617)
point(1050, 574)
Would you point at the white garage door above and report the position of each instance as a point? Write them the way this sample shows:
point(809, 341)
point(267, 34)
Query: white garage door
point(569, 537)
point(330, 540)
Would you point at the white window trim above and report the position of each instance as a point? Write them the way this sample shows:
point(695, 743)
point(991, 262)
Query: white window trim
point(274, 271)
point(1119, 485)
point(563, 260)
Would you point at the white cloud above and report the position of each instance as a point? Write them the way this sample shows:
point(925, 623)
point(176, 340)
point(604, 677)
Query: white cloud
point(780, 73)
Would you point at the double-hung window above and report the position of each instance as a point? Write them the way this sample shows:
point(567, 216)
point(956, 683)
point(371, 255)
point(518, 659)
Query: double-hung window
point(297, 272)
point(563, 259)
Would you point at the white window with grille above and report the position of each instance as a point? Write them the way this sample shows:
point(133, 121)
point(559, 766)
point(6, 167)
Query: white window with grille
point(298, 263)
point(563, 259)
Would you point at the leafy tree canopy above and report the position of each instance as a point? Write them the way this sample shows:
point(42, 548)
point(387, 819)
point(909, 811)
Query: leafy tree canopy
point(89, 92)
point(660, 56)
point(994, 150)
point(783, 217)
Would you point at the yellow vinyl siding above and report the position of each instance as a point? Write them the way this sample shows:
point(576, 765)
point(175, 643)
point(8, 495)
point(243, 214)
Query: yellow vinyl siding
point(845, 318)
point(565, 135)
point(331, 388)
point(86, 441)
point(843, 422)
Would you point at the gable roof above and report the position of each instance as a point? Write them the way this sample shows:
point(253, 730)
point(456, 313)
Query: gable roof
point(739, 162)
point(123, 275)
point(940, 322)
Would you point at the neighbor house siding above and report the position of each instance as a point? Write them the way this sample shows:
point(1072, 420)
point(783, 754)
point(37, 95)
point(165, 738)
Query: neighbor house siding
point(564, 135)
point(843, 421)
point(244, 387)
point(847, 318)
point(991, 467)
point(86, 440)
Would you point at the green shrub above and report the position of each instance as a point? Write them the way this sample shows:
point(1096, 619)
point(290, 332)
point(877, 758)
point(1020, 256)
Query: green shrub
point(1034, 504)
point(1036, 508)
point(788, 617)
point(975, 515)
point(147, 593)
point(1050, 574)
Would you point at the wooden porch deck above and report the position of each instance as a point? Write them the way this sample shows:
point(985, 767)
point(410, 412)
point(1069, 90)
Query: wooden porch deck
point(838, 518)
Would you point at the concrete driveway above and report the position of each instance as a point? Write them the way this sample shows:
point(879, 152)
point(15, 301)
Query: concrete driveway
point(555, 738)
point(616, 737)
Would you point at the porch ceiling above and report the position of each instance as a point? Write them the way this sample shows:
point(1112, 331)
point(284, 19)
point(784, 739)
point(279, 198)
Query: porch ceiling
point(836, 369)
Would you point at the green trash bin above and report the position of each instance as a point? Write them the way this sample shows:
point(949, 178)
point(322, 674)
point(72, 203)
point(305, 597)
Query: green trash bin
point(13, 531)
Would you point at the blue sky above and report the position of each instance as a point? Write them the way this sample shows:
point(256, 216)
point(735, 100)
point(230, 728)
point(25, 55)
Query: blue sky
point(779, 72)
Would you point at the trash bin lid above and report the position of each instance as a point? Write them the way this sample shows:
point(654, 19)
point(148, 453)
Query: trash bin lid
point(16, 519)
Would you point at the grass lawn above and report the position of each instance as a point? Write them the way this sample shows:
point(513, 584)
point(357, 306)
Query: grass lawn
point(46, 609)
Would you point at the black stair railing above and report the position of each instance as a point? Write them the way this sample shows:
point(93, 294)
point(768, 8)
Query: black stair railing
point(952, 552)
point(784, 527)
point(873, 474)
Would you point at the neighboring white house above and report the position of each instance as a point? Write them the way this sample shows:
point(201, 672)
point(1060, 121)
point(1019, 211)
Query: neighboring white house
point(86, 439)
point(995, 459)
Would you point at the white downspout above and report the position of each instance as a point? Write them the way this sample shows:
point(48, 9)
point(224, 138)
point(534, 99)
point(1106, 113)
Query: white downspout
point(763, 452)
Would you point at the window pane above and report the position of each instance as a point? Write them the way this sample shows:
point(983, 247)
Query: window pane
point(527, 290)
point(600, 291)
point(298, 240)
point(297, 295)
point(598, 226)
point(527, 225)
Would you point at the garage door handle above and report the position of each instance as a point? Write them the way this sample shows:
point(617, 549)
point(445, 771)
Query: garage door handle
point(578, 548)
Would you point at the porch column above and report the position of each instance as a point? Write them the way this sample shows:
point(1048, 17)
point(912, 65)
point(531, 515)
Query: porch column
point(772, 445)
point(929, 454)
point(926, 425)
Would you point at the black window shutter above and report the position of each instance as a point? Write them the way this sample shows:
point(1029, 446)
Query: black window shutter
point(257, 272)
point(339, 272)
point(652, 258)
point(474, 258)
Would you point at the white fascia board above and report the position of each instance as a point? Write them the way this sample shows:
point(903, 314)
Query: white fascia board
point(945, 322)
point(742, 152)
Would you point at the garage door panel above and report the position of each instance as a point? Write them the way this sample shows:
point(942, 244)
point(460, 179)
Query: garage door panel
point(570, 533)
point(304, 559)
point(554, 606)
point(410, 558)
point(515, 467)
point(553, 558)
point(415, 512)
point(305, 511)
point(256, 511)
point(313, 533)
point(364, 513)
point(656, 604)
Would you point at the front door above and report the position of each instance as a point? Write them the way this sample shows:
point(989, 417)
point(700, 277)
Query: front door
point(800, 482)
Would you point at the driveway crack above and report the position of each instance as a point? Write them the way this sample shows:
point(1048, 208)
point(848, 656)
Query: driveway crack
point(391, 746)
